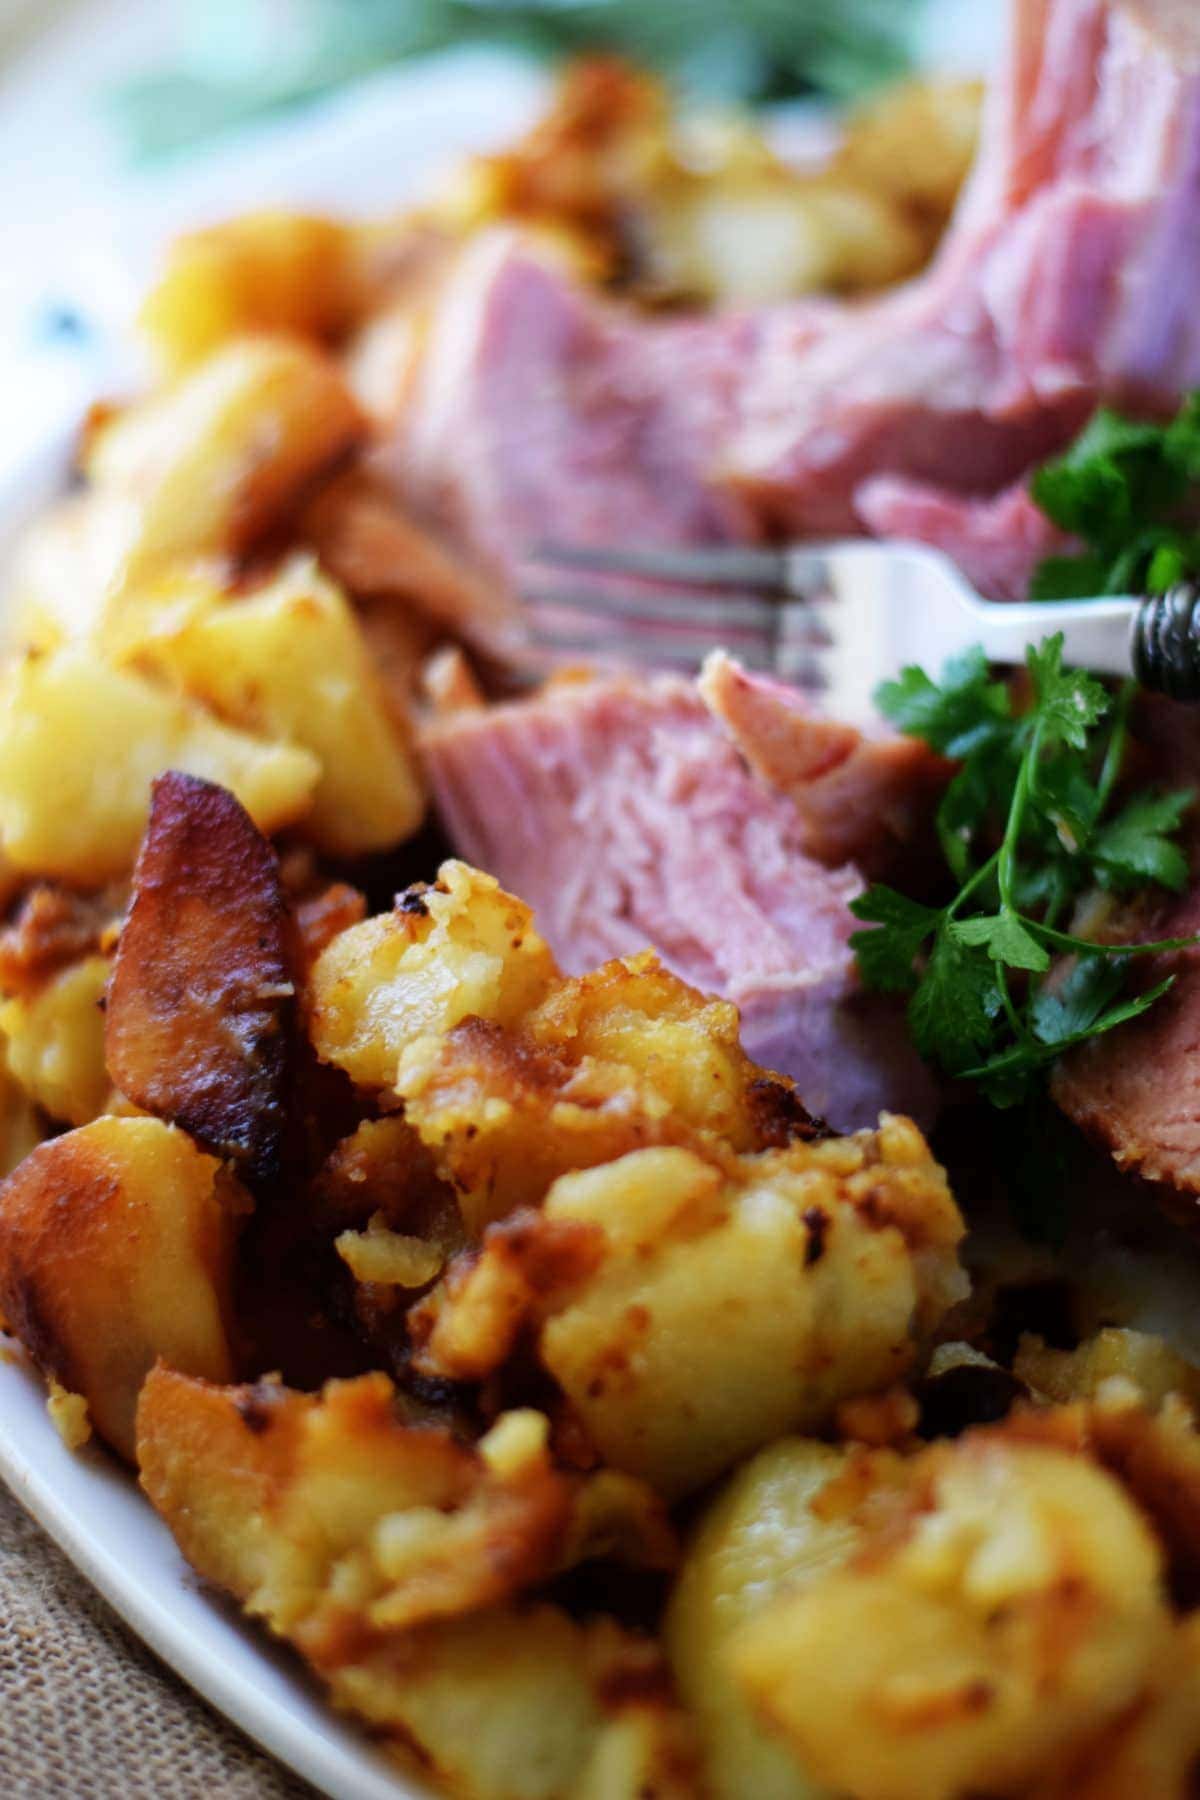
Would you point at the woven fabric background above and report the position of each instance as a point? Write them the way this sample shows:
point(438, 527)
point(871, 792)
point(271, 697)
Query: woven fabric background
point(87, 1713)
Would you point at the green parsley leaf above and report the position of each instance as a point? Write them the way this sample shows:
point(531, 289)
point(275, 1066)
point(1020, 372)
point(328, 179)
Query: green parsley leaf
point(954, 716)
point(886, 955)
point(1126, 487)
point(1005, 939)
point(1136, 847)
point(1073, 1004)
point(1067, 702)
point(998, 990)
point(953, 1012)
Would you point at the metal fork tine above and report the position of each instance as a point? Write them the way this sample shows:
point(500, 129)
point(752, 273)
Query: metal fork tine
point(762, 571)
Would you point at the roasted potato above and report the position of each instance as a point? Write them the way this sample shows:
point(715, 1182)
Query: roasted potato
point(383, 1551)
point(289, 662)
point(198, 1029)
point(80, 744)
point(116, 1248)
point(1009, 1609)
point(207, 466)
point(263, 271)
point(608, 1063)
point(462, 947)
point(763, 1535)
point(54, 1041)
point(527, 1705)
point(691, 1312)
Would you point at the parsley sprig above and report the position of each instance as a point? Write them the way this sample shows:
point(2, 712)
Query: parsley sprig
point(998, 987)
point(1131, 490)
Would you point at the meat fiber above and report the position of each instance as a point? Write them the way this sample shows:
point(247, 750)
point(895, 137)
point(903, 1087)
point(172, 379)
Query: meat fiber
point(623, 812)
point(1067, 277)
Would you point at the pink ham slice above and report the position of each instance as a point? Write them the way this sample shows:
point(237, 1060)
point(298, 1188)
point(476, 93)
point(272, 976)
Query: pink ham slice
point(997, 543)
point(1068, 276)
point(623, 811)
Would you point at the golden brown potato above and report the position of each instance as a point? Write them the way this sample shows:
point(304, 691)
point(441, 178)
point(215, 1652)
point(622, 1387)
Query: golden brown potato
point(116, 1248)
point(200, 1013)
point(1007, 1610)
point(527, 1705)
point(389, 1553)
point(338, 1523)
point(54, 1041)
point(208, 465)
point(462, 947)
point(263, 271)
point(289, 662)
point(619, 1060)
point(80, 744)
point(692, 1312)
point(765, 1533)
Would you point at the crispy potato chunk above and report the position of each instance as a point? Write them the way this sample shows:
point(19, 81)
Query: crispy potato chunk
point(389, 1553)
point(338, 1524)
point(766, 1532)
point(209, 465)
point(691, 1313)
point(263, 271)
point(527, 1705)
point(462, 947)
point(199, 1021)
point(1009, 1609)
point(80, 744)
point(116, 1248)
point(290, 662)
point(612, 1062)
point(21, 1127)
point(54, 1041)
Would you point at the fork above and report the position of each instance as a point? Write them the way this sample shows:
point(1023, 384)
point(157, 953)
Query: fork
point(837, 618)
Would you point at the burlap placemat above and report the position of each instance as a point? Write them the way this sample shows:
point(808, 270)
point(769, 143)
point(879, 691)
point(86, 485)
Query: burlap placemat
point(87, 1713)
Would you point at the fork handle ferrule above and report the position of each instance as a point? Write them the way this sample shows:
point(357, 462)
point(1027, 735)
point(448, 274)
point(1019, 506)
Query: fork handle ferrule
point(1165, 645)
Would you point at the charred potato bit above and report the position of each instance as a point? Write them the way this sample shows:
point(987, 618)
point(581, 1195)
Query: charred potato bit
point(200, 1009)
point(461, 948)
point(116, 1248)
point(690, 1314)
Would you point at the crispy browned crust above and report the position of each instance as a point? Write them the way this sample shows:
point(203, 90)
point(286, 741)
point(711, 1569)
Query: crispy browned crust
point(51, 928)
point(200, 1010)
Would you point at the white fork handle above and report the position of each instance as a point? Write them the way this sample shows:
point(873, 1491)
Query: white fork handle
point(1097, 634)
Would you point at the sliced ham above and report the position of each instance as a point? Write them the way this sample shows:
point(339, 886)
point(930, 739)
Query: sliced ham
point(866, 800)
point(624, 812)
point(1137, 1090)
point(1068, 277)
point(996, 542)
